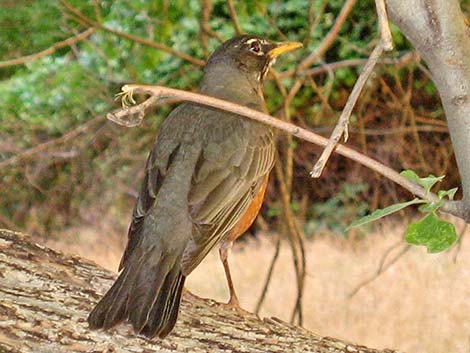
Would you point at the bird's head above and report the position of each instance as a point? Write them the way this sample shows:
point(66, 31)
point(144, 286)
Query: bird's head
point(251, 55)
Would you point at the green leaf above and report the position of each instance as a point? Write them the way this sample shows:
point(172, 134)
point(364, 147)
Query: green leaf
point(432, 232)
point(410, 175)
point(449, 193)
point(377, 214)
point(427, 183)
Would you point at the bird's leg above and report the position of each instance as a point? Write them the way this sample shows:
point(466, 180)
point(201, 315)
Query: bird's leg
point(225, 246)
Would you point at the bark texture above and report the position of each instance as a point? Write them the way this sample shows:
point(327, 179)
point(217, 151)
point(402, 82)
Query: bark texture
point(437, 29)
point(45, 298)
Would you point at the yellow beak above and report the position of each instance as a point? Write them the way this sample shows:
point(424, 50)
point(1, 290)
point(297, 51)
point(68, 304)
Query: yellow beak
point(284, 47)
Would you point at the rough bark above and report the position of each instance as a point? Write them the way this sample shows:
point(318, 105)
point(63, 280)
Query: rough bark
point(437, 29)
point(45, 297)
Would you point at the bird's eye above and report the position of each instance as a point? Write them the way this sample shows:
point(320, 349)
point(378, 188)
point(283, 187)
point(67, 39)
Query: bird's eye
point(255, 47)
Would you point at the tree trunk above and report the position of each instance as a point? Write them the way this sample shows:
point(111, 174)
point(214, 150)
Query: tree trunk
point(45, 298)
point(437, 29)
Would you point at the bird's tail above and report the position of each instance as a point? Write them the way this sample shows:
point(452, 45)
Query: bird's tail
point(147, 293)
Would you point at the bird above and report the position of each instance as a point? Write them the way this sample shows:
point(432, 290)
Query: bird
point(204, 184)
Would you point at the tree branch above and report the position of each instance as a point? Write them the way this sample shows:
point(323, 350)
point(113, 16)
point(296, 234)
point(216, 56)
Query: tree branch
point(341, 125)
point(45, 145)
point(234, 17)
point(329, 38)
point(386, 43)
point(46, 296)
point(406, 58)
point(267, 281)
point(438, 31)
point(384, 29)
point(131, 37)
point(382, 269)
point(456, 207)
point(50, 50)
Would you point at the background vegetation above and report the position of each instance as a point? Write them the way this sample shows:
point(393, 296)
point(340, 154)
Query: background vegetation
point(64, 167)
point(62, 163)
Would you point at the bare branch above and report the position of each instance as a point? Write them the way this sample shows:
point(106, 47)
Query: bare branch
point(295, 241)
point(438, 32)
point(408, 57)
point(206, 10)
point(384, 28)
point(45, 145)
point(136, 39)
point(341, 125)
point(330, 37)
point(50, 50)
point(455, 208)
point(234, 17)
point(277, 248)
point(382, 269)
point(47, 295)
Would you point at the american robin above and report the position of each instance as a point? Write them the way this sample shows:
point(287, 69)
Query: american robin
point(204, 182)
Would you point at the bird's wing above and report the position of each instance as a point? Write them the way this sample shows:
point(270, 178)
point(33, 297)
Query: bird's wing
point(222, 190)
point(158, 162)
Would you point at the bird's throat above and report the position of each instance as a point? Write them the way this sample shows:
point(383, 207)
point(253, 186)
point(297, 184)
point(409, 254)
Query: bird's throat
point(228, 83)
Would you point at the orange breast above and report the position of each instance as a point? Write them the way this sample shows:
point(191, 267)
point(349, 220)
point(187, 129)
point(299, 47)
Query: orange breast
point(250, 214)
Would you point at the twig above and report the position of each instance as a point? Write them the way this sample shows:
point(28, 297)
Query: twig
point(50, 50)
point(384, 29)
point(136, 39)
point(341, 126)
point(269, 276)
point(385, 255)
point(43, 146)
point(410, 56)
point(206, 9)
point(96, 5)
point(329, 38)
point(455, 208)
point(234, 17)
point(303, 273)
point(386, 131)
point(343, 120)
point(382, 269)
point(294, 242)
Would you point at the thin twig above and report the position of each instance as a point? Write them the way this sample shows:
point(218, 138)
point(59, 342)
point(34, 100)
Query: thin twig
point(384, 29)
point(43, 146)
point(293, 241)
point(329, 38)
point(386, 253)
point(455, 208)
point(234, 17)
point(381, 270)
point(96, 5)
point(410, 56)
point(303, 273)
point(343, 120)
point(206, 10)
point(50, 50)
point(269, 276)
point(131, 37)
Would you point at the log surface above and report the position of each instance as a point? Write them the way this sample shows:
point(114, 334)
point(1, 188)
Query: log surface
point(45, 297)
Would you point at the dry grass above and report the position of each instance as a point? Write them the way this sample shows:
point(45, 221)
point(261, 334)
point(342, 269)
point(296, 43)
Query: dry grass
point(421, 304)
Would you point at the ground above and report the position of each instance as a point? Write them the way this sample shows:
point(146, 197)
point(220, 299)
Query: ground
point(421, 304)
